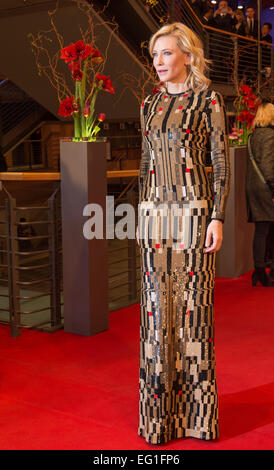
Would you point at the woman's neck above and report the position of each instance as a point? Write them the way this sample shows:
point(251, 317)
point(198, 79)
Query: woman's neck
point(176, 87)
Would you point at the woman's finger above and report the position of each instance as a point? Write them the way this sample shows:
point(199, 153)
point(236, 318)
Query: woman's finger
point(137, 235)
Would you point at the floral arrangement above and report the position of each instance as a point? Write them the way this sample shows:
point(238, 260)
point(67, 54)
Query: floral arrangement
point(80, 58)
point(85, 66)
point(246, 105)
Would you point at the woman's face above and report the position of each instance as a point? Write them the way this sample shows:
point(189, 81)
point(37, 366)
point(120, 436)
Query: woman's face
point(238, 17)
point(169, 61)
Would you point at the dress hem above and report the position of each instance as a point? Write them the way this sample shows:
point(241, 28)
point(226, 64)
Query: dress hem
point(165, 438)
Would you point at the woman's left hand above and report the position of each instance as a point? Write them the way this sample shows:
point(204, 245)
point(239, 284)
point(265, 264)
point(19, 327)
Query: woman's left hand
point(214, 236)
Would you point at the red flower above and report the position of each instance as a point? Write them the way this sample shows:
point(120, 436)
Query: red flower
point(244, 116)
point(83, 50)
point(96, 56)
point(101, 117)
point(77, 73)
point(69, 53)
point(79, 51)
point(104, 82)
point(246, 90)
point(86, 110)
point(155, 90)
point(67, 107)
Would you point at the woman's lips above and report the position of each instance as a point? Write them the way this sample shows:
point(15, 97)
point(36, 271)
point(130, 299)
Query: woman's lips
point(162, 71)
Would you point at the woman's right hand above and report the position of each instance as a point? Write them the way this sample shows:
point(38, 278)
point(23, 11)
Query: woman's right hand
point(137, 235)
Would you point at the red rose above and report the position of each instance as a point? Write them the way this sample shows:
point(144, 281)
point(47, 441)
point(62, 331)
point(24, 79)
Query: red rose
point(104, 82)
point(101, 117)
point(67, 107)
point(69, 53)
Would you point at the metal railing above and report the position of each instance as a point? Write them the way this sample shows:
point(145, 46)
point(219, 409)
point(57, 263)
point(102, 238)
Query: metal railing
point(235, 58)
point(15, 106)
point(31, 290)
point(124, 262)
point(31, 263)
point(31, 250)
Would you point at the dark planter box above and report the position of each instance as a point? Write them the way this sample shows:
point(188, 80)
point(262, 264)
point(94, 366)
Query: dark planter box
point(235, 256)
point(85, 267)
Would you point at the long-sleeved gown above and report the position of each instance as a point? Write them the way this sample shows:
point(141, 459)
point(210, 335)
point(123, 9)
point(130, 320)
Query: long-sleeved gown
point(177, 374)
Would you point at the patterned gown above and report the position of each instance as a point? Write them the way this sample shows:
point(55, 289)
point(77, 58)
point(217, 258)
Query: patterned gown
point(177, 381)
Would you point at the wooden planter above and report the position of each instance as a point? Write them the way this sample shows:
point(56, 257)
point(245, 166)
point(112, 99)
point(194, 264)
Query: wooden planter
point(85, 268)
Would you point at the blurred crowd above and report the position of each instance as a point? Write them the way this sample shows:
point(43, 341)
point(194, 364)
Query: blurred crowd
point(237, 21)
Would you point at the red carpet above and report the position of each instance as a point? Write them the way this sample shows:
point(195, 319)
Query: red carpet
point(64, 391)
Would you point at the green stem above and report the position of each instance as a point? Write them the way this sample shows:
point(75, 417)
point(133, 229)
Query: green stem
point(77, 125)
point(91, 119)
point(82, 100)
point(77, 119)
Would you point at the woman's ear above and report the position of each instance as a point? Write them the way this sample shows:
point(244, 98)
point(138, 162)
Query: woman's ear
point(188, 58)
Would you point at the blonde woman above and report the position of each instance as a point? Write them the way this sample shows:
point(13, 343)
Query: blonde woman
point(260, 190)
point(179, 232)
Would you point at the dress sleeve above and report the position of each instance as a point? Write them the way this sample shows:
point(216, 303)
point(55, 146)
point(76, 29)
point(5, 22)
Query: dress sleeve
point(145, 154)
point(219, 150)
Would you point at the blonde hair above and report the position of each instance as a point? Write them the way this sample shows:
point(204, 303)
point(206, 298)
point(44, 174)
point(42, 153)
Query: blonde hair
point(189, 43)
point(264, 116)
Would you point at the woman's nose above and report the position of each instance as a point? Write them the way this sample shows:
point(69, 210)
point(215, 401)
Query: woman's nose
point(159, 60)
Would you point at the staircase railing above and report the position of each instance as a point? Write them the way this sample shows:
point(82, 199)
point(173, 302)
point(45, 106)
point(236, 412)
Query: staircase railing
point(234, 57)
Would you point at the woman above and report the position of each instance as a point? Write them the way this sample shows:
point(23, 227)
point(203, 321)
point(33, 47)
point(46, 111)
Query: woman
point(240, 27)
point(260, 195)
point(179, 231)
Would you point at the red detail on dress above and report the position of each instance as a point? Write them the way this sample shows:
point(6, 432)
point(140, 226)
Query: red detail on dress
point(188, 131)
point(213, 101)
point(157, 245)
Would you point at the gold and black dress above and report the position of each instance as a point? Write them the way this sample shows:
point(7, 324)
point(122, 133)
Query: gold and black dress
point(177, 381)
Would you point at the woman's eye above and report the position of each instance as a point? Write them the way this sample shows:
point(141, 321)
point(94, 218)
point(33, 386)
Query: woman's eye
point(154, 54)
